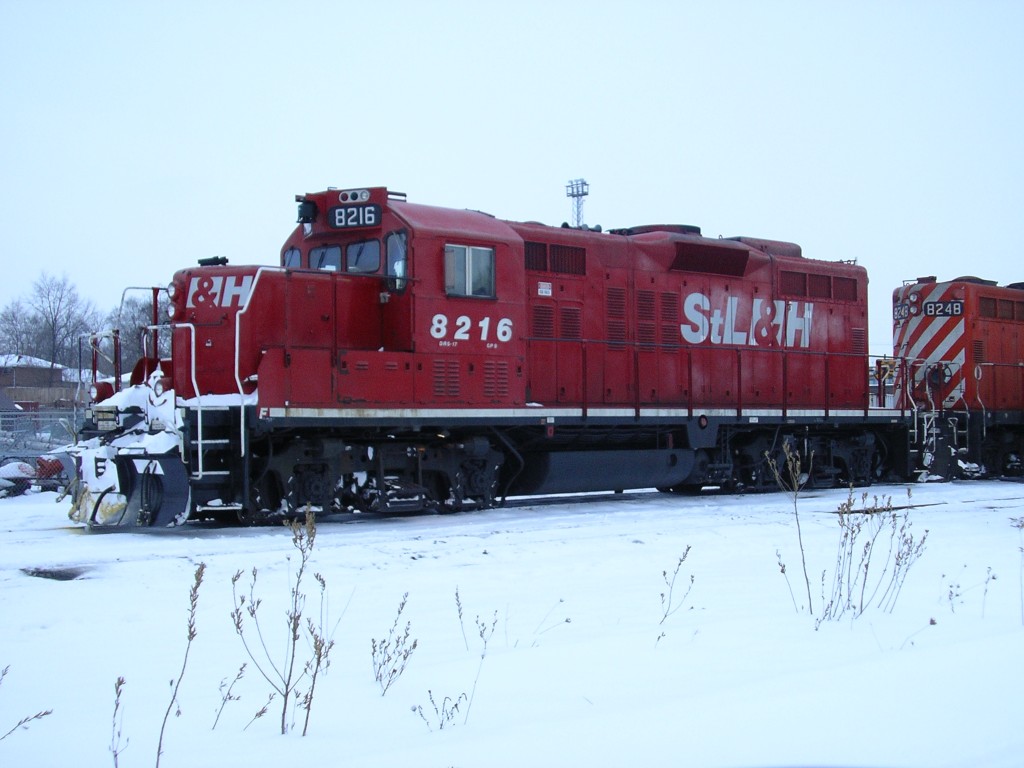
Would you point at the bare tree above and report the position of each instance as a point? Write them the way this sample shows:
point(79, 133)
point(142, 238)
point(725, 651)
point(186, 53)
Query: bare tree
point(16, 329)
point(52, 322)
point(132, 319)
point(61, 316)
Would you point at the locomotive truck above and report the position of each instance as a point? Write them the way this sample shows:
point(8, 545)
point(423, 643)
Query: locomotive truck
point(405, 357)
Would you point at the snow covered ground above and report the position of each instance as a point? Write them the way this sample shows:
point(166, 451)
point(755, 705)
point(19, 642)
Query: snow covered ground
point(581, 665)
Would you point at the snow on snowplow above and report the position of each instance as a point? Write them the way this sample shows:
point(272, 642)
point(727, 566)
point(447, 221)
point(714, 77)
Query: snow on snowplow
point(130, 471)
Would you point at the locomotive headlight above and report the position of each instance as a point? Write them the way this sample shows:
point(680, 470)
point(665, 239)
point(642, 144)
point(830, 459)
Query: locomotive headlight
point(100, 391)
point(915, 297)
point(171, 311)
point(172, 290)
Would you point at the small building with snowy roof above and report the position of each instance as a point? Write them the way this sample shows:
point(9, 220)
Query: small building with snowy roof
point(24, 378)
point(27, 371)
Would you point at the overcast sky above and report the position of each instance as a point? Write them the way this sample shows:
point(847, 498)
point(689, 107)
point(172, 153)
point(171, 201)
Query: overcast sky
point(137, 137)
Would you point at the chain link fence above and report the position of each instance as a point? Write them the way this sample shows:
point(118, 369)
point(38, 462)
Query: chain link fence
point(25, 436)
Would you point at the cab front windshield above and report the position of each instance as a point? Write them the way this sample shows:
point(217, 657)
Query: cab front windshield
point(361, 257)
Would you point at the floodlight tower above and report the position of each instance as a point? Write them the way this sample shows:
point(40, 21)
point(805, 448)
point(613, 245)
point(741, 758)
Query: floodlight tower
point(577, 189)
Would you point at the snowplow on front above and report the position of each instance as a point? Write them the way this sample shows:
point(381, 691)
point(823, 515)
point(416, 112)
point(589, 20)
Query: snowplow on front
point(128, 461)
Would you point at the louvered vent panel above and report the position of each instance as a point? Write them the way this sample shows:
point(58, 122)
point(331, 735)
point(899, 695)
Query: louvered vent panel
point(446, 378)
point(496, 379)
point(646, 328)
point(616, 302)
point(979, 352)
point(647, 335)
point(670, 307)
point(670, 319)
point(571, 323)
point(859, 340)
point(543, 321)
point(616, 305)
point(645, 302)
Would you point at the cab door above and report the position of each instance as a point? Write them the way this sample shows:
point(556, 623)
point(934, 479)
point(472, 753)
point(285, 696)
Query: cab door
point(396, 294)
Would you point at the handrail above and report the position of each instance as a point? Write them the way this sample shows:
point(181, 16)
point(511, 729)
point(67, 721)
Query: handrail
point(195, 390)
point(977, 395)
point(238, 321)
point(238, 333)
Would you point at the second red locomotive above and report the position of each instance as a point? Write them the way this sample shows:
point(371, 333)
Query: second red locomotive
point(408, 357)
point(962, 371)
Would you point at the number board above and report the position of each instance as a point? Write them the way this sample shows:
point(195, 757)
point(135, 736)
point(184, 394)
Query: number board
point(943, 308)
point(354, 216)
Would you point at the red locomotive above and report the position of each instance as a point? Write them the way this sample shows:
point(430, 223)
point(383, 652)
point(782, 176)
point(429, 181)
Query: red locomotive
point(962, 371)
point(408, 357)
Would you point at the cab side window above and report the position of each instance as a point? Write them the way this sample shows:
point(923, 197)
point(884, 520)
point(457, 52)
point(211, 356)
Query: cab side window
point(397, 259)
point(292, 259)
point(469, 271)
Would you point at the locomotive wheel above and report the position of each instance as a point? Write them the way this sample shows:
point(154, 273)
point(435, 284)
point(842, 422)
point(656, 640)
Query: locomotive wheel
point(370, 495)
point(308, 486)
point(265, 495)
point(444, 496)
point(481, 480)
point(350, 495)
point(456, 497)
point(751, 470)
point(781, 477)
